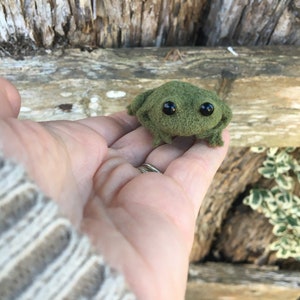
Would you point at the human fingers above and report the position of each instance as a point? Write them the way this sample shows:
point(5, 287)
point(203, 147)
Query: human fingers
point(195, 169)
point(137, 148)
point(134, 146)
point(123, 133)
point(133, 142)
point(163, 155)
point(111, 127)
point(10, 99)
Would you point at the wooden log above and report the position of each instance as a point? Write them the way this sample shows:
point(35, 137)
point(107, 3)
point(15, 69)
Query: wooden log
point(243, 274)
point(211, 281)
point(241, 239)
point(112, 23)
point(236, 173)
point(249, 291)
point(262, 85)
point(105, 23)
point(243, 22)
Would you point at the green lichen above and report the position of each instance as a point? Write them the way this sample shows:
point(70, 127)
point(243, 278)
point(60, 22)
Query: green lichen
point(280, 204)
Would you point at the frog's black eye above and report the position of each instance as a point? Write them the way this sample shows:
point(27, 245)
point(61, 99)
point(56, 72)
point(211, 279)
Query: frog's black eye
point(206, 109)
point(169, 108)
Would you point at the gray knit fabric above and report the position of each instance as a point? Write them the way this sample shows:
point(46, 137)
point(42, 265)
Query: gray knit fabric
point(41, 254)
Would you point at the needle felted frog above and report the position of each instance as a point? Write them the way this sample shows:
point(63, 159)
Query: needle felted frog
point(181, 109)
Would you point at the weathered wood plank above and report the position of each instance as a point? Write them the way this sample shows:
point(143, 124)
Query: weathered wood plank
point(211, 281)
point(252, 291)
point(212, 272)
point(262, 85)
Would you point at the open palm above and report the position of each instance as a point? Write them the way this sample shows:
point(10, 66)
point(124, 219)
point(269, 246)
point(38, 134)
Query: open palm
point(142, 223)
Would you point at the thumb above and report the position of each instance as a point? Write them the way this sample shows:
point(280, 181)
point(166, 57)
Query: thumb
point(10, 100)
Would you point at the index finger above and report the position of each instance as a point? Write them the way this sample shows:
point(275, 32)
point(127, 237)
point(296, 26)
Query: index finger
point(112, 127)
point(195, 169)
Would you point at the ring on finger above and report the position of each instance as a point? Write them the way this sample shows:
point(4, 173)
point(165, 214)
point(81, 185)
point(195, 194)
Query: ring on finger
point(145, 168)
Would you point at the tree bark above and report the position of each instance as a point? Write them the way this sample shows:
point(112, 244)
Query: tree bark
point(131, 23)
point(235, 174)
point(243, 22)
point(241, 239)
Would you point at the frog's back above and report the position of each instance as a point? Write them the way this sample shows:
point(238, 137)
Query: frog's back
point(184, 90)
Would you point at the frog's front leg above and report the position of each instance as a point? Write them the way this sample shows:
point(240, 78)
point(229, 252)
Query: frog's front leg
point(158, 135)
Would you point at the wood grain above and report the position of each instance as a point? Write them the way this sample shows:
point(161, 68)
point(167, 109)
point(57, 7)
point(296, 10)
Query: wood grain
point(237, 172)
point(244, 22)
point(262, 85)
point(132, 23)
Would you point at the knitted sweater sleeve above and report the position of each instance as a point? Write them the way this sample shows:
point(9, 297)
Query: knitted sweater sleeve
point(42, 256)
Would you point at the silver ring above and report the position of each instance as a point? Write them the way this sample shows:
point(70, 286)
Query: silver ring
point(144, 168)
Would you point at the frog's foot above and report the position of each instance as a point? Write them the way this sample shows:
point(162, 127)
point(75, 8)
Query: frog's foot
point(214, 140)
point(160, 138)
point(129, 110)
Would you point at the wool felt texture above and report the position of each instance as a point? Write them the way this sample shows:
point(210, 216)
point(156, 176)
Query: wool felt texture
point(181, 109)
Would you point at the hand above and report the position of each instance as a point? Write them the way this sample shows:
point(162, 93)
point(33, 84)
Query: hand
point(143, 224)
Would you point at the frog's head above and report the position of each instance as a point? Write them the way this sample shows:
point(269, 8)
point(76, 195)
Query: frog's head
point(179, 108)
